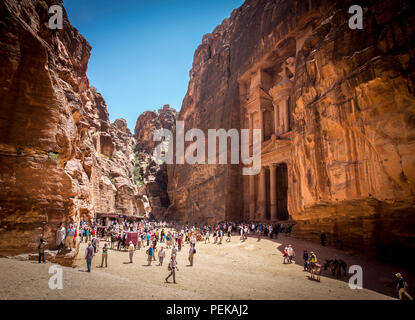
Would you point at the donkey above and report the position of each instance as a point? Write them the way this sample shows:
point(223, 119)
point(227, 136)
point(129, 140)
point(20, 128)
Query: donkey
point(336, 267)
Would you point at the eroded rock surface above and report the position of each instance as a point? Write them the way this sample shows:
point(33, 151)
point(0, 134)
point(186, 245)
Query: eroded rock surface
point(153, 175)
point(338, 112)
point(60, 157)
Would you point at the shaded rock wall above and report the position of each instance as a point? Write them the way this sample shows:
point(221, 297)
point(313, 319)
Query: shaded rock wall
point(153, 175)
point(351, 109)
point(60, 157)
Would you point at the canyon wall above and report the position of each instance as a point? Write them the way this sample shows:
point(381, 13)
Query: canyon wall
point(153, 174)
point(60, 157)
point(336, 106)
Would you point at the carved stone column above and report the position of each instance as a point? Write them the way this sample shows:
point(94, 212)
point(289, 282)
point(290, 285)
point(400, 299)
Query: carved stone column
point(251, 127)
point(261, 120)
point(280, 94)
point(262, 196)
point(284, 115)
point(251, 197)
point(276, 116)
point(273, 191)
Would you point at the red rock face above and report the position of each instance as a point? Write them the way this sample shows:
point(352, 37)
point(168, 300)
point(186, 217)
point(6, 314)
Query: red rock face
point(348, 144)
point(60, 157)
point(150, 121)
point(154, 176)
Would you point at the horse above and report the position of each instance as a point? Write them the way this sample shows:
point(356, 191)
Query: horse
point(315, 271)
point(336, 267)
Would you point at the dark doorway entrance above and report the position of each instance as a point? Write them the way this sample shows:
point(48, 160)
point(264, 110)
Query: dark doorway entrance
point(282, 191)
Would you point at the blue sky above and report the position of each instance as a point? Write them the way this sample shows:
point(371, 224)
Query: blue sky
point(142, 51)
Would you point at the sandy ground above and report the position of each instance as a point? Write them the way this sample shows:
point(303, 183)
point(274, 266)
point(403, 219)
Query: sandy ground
point(235, 270)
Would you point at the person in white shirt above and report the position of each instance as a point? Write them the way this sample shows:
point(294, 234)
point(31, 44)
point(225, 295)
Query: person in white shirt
point(161, 255)
point(60, 237)
point(291, 253)
point(131, 251)
point(193, 240)
point(229, 234)
point(173, 251)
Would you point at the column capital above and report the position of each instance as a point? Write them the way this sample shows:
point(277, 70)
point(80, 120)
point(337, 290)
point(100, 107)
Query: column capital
point(272, 166)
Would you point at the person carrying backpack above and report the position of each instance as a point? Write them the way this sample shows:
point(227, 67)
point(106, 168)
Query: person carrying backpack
point(192, 252)
point(172, 268)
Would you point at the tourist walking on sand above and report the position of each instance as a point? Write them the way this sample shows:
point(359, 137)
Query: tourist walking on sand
point(148, 237)
point(161, 255)
point(139, 242)
point(229, 233)
point(149, 255)
point(131, 251)
point(192, 252)
point(154, 251)
point(104, 256)
point(207, 235)
point(291, 253)
point(60, 237)
point(305, 258)
point(86, 234)
point(168, 239)
point(89, 254)
point(70, 236)
point(220, 236)
point(258, 231)
point(193, 240)
point(285, 255)
point(401, 287)
point(41, 248)
point(173, 251)
point(172, 268)
point(179, 243)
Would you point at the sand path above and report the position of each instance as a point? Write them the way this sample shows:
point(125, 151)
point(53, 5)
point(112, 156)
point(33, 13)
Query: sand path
point(235, 270)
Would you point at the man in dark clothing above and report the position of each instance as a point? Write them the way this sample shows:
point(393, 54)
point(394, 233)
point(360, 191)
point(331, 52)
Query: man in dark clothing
point(323, 239)
point(401, 287)
point(305, 258)
point(89, 254)
point(276, 230)
point(41, 248)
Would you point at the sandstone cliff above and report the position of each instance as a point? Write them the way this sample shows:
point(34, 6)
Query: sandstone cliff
point(346, 108)
point(152, 174)
point(60, 157)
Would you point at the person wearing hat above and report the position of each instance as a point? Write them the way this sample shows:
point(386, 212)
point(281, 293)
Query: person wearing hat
point(401, 287)
point(172, 268)
point(131, 251)
point(313, 260)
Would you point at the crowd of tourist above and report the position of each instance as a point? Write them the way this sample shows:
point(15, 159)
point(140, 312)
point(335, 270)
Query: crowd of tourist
point(157, 237)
